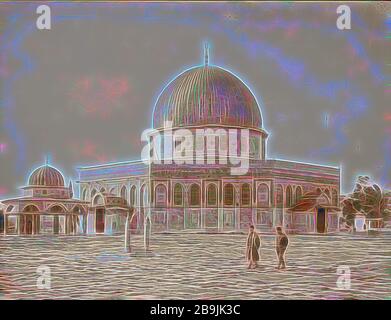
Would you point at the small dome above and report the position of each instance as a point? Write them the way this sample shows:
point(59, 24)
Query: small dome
point(46, 176)
point(207, 95)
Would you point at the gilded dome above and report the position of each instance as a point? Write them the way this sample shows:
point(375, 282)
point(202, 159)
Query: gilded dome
point(207, 95)
point(46, 176)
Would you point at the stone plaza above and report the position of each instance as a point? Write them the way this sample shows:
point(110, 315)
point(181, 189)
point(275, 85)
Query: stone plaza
point(193, 266)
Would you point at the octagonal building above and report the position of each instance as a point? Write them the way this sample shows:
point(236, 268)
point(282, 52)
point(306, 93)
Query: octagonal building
point(207, 122)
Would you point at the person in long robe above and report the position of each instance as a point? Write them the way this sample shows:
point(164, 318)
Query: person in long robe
point(281, 245)
point(252, 248)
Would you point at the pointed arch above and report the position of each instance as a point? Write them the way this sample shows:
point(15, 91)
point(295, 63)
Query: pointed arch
point(279, 196)
point(263, 195)
point(288, 195)
point(245, 195)
point(160, 196)
point(124, 193)
point(195, 195)
point(229, 194)
point(211, 195)
point(98, 200)
point(133, 196)
point(298, 193)
point(178, 195)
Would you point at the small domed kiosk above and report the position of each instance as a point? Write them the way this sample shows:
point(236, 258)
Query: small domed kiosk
point(47, 206)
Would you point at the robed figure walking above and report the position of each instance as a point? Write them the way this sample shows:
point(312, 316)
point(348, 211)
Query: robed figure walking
point(281, 245)
point(252, 248)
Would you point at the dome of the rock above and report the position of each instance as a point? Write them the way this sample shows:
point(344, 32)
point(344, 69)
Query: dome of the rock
point(207, 95)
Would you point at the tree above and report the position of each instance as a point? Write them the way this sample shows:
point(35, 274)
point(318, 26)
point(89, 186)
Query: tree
point(367, 198)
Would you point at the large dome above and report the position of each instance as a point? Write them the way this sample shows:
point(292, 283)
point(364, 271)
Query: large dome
point(46, 176)
point(207, 95)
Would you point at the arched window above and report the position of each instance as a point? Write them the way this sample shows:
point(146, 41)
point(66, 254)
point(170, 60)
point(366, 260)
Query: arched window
point(212, 195)
point(133, 196)
point(178, 195)
point(195, 195)
point(30, 208)
point(228, 194)
point(245, 195)
point(335, 197)
point(299, 194)
point(288, 196)
point(279, 195)
point(160, 196)
point(102, 190)
point(263, 195)
point(98, 201)
point(124, 192)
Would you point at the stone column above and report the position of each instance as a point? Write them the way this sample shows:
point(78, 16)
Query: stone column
point(237, 203)
point(33, 224)
point(254, 214)
point(237, 218)
point(5, 224)
point(338, 218)
point(18, 220)
point(127, 232)
point(66, 223)
point(185, 205)
point(38, 223)
point(220, 222)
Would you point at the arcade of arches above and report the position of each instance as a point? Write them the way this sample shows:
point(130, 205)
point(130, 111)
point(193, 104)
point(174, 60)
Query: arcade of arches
point(215, 205)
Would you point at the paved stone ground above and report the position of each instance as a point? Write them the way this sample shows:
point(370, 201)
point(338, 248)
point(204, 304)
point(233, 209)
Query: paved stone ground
point(193, 266)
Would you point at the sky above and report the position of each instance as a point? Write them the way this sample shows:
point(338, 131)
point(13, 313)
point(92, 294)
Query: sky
point(82, 92)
